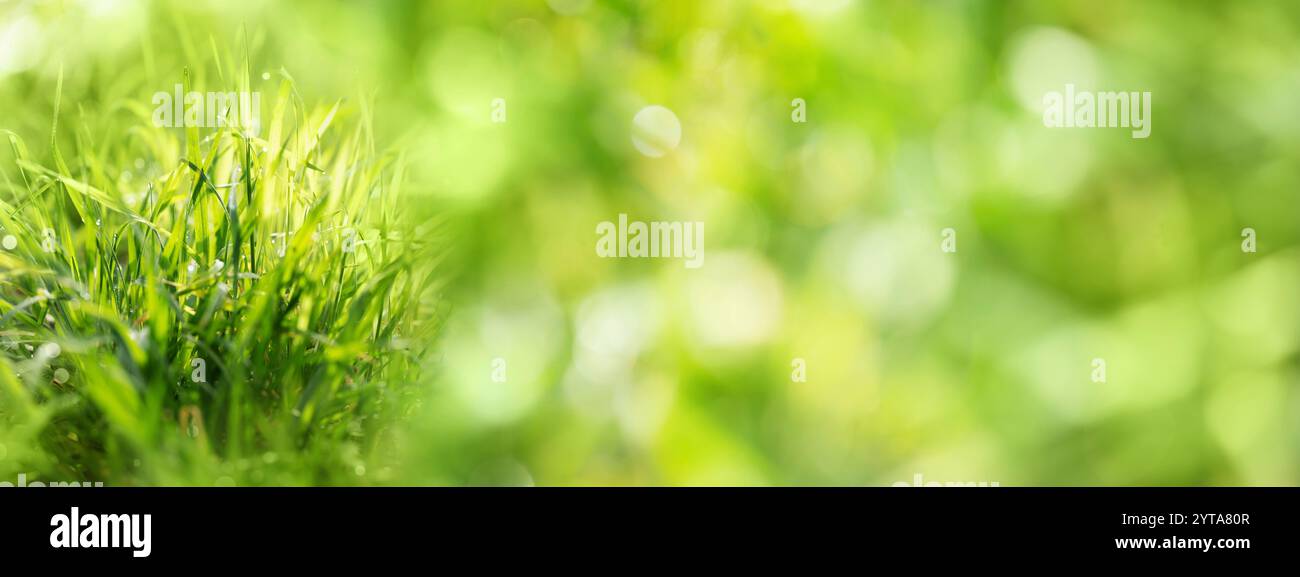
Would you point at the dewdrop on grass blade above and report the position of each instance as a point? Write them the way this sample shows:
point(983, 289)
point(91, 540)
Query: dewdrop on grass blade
point(49, 351)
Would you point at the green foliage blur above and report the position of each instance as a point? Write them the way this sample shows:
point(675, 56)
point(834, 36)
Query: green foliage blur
point(827, 339)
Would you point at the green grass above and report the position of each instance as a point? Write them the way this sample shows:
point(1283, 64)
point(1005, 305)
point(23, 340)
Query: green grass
point(165, 248)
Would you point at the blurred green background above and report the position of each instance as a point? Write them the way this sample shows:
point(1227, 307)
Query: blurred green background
point(822, 238)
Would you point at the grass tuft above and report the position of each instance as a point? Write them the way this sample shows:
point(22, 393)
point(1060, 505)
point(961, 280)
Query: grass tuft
point(207, 305)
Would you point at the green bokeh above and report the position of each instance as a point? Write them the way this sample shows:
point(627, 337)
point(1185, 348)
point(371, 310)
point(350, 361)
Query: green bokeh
point(823, 238)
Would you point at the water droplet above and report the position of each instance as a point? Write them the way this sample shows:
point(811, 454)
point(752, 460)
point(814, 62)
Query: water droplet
point(50, 351)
